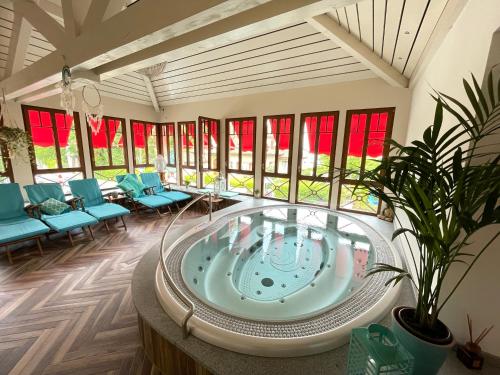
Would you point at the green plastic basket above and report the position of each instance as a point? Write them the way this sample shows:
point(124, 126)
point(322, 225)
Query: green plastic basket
point(375, 350)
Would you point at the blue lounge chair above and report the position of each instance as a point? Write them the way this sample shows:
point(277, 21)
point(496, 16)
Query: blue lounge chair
point(141, 195)
point(15, 224)
point(153, 180)
point(63, 222)
point(93, 201)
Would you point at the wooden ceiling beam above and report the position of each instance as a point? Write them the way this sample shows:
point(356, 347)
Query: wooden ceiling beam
point(18, 45)
point(257, 20)
point(116, 37)
point(42, 21)
point(95, 14)
point(350, 44)
point(151, 91)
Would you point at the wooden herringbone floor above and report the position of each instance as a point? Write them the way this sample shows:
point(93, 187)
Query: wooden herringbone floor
point(70, 311)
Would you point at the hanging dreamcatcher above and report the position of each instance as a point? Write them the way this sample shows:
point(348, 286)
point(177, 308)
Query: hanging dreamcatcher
point(67, 97)
point(93, 112)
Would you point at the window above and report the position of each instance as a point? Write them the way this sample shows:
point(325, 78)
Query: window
point(167, 149)
point(365, 145)
point(240, 156)
point(57, 145)
point(144, 145)
point(108, 151)
point(187, 146)
point(277, 156)
point(5, 167)
point(209, 138)
point(318, 134)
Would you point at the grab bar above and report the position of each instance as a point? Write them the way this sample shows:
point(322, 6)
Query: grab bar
point(166, 275)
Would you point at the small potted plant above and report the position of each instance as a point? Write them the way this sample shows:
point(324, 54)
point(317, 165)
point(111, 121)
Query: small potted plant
point(446, 186)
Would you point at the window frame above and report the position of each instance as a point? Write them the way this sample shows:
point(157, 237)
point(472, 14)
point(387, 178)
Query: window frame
point(240, 171)
point(182, 166)
point(201, 145)
point(76, 121)
point(345, 147)
point(146, 144)
point(331, 168)
point(276, 174)
point(125, 147)
point(6, 160)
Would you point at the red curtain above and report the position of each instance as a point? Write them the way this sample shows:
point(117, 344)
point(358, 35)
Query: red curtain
point(138, 131)
point(284, 127)
point(42, 131)
point(326, 124)
point(100, 139)
point(376, 134)
point(187, 134)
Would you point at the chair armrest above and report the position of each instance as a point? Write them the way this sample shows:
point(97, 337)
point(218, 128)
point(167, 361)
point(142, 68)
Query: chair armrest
point(76, 203)
point(149, 190)
point(33, 210)
point(167, 186)
point(128, 193)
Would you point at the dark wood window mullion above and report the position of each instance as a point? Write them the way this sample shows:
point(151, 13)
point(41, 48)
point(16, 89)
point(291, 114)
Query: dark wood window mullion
point(56, 138)
point(109, 141)
point(276, 146)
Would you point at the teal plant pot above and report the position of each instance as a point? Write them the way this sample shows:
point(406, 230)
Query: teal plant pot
point(429, 353)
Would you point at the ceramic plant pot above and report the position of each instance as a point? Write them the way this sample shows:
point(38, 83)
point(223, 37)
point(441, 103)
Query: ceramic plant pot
point(429, 352)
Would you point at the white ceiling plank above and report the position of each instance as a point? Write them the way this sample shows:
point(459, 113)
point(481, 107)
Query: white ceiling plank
point(151, 92)
point(43, 22)
point(159, 21)
point(391, 29)
point(352, 18)
point(380, 23)
point(267, 16)
point(18, 44)
point(272, 87)
point(95, 14)
point(448, 17)
point(319, 69)
point(414, 11)
point(366, 22)
point(243, 68)
point(360, 51)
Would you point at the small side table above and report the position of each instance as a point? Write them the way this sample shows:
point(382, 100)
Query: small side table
point(216, 203)
point(120, 199)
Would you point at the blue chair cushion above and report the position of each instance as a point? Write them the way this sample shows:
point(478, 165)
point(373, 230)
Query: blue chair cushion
point(107, 211)
point(21, 227)
point(176, 196)
point(88, 189)
point(153, 201)
point(69, 220)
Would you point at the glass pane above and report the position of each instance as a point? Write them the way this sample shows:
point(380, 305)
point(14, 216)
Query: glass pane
point(100, 145)
point(117, 141)
point(147, 169)
point(4, 180)
point(3, 167)
point(61, 178)
point(276, 187)
point(241, 183)
point(270, 144)
point(355, 148)
point(152, 147)
point(171, 146)
point(308, 146)
point(107, 178)
point(68, 145)
point(357, 200)
point(313, 192)
point(42, 133)
point(209, 179)
point(189, 177)
point(247, 147)
point(233, 145)
point(139, 143)
point(376, 139)
point(171, 175)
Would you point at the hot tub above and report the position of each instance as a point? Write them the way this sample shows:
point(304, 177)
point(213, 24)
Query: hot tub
point(287, 280)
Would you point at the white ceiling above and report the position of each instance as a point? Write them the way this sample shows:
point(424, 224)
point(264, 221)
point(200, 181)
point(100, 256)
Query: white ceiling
point(294, 56)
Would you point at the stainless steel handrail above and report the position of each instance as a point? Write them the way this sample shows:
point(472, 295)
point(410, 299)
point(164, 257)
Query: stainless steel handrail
point(166, 275)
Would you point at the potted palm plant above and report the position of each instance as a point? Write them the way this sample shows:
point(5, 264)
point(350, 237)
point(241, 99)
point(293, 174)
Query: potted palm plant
point(446, 186)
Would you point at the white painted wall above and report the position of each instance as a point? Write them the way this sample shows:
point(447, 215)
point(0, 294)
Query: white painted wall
point(112, 107)
point(464, 50)
point(370, 93)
